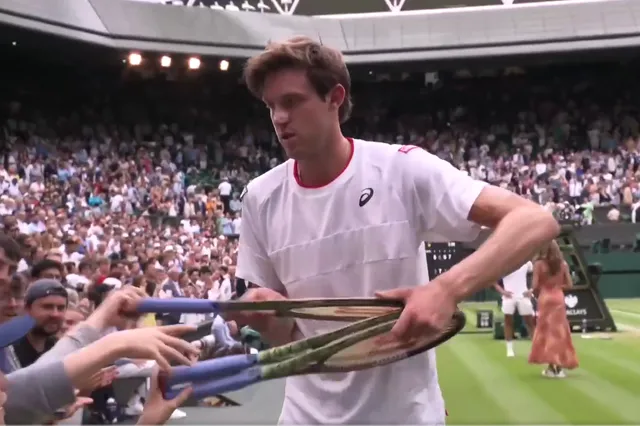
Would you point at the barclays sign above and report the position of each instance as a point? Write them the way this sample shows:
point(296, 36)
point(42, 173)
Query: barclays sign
point(571, 301)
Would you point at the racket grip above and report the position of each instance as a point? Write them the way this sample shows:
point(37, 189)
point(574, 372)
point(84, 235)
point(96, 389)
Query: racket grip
point(211, 369)
point(176, 305)
point(219, 386)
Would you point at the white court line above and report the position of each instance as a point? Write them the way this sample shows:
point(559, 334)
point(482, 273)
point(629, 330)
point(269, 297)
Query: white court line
point(626, 327)
point(631, 314)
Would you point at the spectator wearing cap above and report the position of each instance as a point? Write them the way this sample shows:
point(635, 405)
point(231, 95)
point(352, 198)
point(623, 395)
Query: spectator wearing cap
point(46, 302)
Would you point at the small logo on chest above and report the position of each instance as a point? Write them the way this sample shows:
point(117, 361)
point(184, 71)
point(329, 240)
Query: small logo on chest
point(365, 196)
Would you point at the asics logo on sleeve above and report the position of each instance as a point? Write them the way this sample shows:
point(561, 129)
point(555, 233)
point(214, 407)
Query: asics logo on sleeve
point(366, 195)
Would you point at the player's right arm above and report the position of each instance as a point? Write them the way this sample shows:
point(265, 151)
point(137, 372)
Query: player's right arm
point(255, 266)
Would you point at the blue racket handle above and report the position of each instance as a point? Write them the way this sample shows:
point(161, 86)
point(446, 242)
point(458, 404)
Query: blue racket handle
point(211, 369)
point(219, 386)
point(177, 305)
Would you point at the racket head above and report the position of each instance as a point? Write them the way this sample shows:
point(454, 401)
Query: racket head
point(340, 313)
point(330, 309)
point(369, 353)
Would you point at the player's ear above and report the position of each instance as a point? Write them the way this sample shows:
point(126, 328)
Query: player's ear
point(336, 97)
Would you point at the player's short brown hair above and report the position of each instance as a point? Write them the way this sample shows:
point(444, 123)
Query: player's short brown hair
point(324, 66)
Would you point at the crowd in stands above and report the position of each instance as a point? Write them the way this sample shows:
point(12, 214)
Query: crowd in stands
point(114, 179)
point(561, 136)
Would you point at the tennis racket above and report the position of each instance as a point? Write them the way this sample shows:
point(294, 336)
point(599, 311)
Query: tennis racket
point(351, 348)
point(335, 309)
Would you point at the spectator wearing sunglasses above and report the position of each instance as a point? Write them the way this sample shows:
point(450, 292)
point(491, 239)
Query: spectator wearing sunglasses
point(46, 301)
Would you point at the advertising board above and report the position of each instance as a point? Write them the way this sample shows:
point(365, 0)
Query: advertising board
point(584, 304)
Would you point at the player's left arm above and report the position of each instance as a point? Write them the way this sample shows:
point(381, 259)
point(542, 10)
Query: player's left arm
point(449, 205)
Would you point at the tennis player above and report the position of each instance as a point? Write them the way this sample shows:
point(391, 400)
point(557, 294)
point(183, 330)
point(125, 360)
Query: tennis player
point(516, 296)
point(347, 218)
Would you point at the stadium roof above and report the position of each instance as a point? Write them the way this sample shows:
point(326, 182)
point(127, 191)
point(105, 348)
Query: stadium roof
point(419, 35)
point(337, 7)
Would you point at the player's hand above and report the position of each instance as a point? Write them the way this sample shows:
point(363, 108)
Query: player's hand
point(158, 410)
point(427, 308)
point(528, 294)
point(507, 294)
point(255, 319)
point(274, 329)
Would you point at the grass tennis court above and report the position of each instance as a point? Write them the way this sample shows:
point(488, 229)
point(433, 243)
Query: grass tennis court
point(482, 386)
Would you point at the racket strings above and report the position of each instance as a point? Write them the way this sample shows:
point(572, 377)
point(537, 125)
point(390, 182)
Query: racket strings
point(314, 359)
point(299, 356)
point(285, 352)
point(379, 353)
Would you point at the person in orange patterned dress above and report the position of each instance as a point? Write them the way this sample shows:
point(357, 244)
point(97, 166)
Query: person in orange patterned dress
point(552, 343)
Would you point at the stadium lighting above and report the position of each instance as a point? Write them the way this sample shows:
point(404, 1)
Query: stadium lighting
point(135, 59)
point(165, 61)
point(14, 43)
point(224, 65)
point(194, 63)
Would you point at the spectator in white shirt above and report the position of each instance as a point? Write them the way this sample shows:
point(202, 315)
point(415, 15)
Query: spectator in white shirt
point(225, 188)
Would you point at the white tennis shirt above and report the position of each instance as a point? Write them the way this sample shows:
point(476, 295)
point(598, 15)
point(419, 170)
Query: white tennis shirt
point(516, 282)
point(361, 233)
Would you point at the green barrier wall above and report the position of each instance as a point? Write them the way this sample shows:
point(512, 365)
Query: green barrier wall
point(620, 276)
point(620, 273)
point(620, 286)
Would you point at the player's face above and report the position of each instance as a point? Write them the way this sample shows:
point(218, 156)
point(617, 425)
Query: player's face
point(300, 117)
